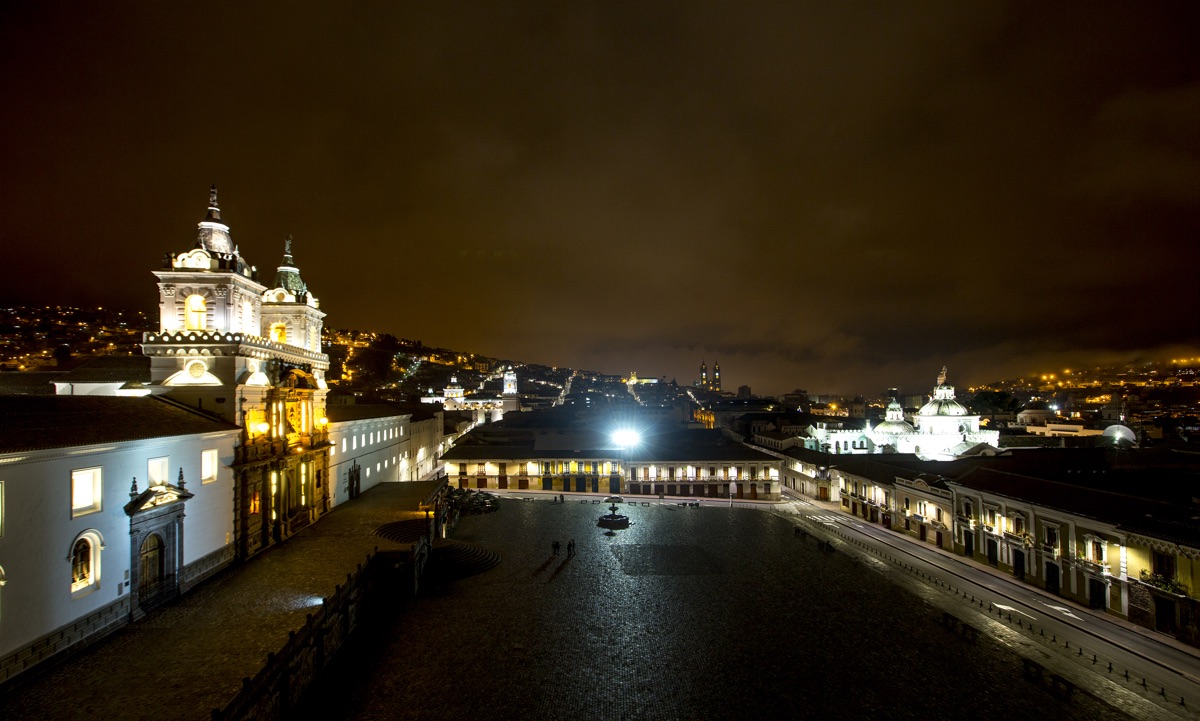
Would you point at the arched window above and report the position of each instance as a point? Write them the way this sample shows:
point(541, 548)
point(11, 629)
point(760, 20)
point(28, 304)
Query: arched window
point(81, 565)
point(247, 316)
point(279, 332)
point(195, 313)
point(85, 562)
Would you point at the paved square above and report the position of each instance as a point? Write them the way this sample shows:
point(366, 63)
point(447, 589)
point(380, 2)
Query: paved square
point(692, 613)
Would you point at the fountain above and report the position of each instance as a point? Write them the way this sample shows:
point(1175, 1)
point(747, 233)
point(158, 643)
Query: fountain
point(613, 519)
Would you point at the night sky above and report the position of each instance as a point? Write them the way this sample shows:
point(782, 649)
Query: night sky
point(830, 196)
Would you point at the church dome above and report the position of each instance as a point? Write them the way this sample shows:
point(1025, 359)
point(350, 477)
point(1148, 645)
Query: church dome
point(894, 427)
point(213, 234)
point(943, 403)
point(894, 424)
point(288, 275)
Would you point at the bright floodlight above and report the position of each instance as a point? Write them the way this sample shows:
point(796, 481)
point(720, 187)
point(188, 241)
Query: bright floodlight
point(627, 438)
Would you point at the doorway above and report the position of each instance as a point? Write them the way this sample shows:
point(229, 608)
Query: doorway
point(993, 553)
point(151, 566)
point(1018, 560)
point(1097, 594)
point(1053, 580)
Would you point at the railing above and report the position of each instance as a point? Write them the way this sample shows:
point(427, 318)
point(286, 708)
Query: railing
point(1022, 538)
point(1092, 566)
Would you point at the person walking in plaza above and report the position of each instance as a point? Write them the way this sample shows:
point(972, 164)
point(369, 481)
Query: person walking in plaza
point(571, 548)
point(554, 547)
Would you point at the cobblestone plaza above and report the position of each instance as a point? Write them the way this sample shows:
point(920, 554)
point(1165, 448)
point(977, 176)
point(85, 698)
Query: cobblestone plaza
point(692, 613)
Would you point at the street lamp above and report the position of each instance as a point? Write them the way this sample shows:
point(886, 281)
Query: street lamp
point(625, 439)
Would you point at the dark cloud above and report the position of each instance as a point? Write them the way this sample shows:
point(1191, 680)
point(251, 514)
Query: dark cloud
point(831, 196)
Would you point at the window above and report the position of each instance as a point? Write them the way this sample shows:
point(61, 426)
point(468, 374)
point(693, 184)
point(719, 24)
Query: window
point(1019, 525)
point(156, 471)
point(208, 465)
point(1097, 547)
point(81, 564)
point(1052, 536)
point(279, 333)
point(968, 509)
point(85, 492)
point(1163, 565)
point(85, 562)
point(195, 313)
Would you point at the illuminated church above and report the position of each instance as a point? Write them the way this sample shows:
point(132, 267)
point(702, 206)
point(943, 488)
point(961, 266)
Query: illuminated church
point(713, 383)
point(250, 353)
point(944, 429)
point(135, 486)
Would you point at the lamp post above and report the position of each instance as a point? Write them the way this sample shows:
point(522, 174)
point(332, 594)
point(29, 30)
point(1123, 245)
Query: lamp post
point(625, 439)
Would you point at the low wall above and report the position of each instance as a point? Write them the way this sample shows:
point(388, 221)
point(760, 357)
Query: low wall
point(276, 690)
point(73, 636)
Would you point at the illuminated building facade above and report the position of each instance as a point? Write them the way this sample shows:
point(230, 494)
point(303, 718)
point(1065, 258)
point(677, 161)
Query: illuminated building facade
point(229, 345)
point(713, 383)
point(695, 463)
point(944, 429)
point(483, 407)
point(130, 493)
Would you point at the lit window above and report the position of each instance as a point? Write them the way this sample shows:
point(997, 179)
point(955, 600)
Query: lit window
point(195, 313)
point(279, 332)
point(208, 465)
point(85, 492)
point(85, 562)
point(343, 445)
point(156, 471)
point(353, 442)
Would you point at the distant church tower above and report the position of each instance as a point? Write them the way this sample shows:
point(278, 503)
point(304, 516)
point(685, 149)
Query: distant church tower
point(716, 382)
point(510, 382)
point(228, 345)
point(703, 375)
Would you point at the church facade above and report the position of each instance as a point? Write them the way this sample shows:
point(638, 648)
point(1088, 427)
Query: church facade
point(250, 353)
point(114, 502)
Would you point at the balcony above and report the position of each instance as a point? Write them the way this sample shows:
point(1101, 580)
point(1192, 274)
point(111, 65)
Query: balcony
point(1022, 538)
point(1090, 566)
point(1051, 550)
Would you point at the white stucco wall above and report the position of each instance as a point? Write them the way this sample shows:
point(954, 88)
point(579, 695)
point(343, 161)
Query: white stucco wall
point(36, 542)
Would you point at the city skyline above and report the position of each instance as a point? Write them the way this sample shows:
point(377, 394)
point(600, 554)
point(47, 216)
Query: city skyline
point(816, 197)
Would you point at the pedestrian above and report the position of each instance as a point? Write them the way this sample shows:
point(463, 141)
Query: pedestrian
point(554, 547)
point(571, 548)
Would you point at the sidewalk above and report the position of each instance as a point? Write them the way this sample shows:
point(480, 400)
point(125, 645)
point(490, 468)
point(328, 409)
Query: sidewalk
point(184, 660)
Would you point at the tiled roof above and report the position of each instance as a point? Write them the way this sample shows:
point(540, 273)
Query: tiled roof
point(340, 413)
point(40, 422)
point(109, 369)
point(1130, 512)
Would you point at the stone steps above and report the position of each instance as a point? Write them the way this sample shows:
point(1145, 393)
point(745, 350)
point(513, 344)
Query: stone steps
point(404, 531)
point(459, 559)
